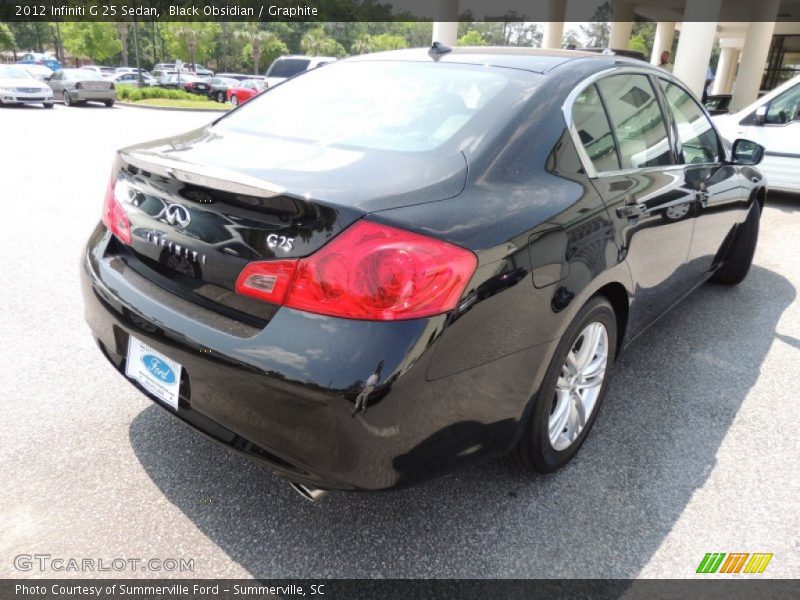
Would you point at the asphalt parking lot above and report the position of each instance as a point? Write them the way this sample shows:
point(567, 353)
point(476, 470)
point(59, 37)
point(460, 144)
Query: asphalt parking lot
point(696, 449)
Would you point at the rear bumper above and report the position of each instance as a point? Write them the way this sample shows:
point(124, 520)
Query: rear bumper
point(287, 395)
point(90, 95)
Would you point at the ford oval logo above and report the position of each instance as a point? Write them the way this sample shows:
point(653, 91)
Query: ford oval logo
point(158, 368)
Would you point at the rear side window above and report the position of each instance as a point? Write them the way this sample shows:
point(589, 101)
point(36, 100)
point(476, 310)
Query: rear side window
point(589, 120)
point(287, 67)
point(636, 120)
point(699, 142)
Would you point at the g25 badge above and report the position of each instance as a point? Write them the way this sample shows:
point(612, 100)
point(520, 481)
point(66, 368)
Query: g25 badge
point(280, 242)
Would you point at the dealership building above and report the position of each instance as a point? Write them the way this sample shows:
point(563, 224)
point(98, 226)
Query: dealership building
point(759, 39)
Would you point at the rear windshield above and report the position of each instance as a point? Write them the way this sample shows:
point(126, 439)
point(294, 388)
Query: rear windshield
point(288, 67)
point(403, 106)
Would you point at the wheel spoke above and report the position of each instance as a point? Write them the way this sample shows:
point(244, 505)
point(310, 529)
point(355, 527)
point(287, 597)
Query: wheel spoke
point(591, 340)
point(558, 420)
point(580, 410)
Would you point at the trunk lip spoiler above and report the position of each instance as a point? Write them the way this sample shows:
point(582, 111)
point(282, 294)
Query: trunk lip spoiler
point(208, 176)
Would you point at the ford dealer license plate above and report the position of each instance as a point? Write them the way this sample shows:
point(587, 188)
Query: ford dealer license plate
point(159, 375)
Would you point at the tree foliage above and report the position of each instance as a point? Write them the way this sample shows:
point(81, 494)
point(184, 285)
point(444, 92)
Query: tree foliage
point(94, 40)
point(7, 41)
point(317, 43)
point(471, 38)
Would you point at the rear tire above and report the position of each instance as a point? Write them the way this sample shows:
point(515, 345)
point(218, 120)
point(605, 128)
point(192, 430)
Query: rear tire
point(221, 98)
point(67, 99)
point(48, 105)
point(235, 100)
point(547, 442)
point(109, 103)
point(740, 254)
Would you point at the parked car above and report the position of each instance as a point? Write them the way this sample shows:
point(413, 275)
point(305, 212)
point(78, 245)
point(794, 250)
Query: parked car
point(198, 85)
point(18, 86)
point(100, 70)
point(40, 72)
point(284, 67)
point(718, 104)
point(408, 262)
point(773, 121)
point(131, 70)
point(178, 80)
point(37, 58)
point(199, 70)
point(133, 79)
point(238, 76)
point(79, 86)
point(219, 86)
point(244, 91)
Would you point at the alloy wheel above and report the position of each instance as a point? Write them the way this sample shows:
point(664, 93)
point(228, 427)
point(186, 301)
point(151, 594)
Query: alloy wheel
point(578, 386)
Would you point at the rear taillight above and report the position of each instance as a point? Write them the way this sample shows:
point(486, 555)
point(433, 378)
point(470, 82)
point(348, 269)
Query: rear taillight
point(79, 86)
point(111, 85)
point(114, 217)
point(371, 271)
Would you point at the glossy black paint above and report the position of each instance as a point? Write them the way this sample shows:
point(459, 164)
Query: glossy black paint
point(288, 387)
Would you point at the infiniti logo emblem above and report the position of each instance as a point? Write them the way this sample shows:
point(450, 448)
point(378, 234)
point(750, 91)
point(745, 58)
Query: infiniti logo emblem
point(178, 215)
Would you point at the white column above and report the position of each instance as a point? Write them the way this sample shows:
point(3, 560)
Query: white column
point(665, 33)
point(698, 30)
point(728, 61)
point(445, 27)
point(554, 27)
point(754, 54)
point(731, 74)
point(622, 25)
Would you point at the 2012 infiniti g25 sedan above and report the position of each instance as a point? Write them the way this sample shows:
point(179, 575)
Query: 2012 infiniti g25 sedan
point(406, 262)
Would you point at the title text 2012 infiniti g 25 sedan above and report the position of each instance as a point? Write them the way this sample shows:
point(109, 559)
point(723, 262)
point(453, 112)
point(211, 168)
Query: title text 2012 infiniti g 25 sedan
point(402, 263)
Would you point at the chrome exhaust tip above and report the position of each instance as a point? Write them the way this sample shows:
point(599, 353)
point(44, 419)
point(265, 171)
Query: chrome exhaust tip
point(311, 494)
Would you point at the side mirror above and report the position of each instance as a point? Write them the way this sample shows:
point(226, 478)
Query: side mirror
point(745, 152)
point(761, 115)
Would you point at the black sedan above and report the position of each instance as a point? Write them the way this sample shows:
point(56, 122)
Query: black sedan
point(219, 86)
point(408, 262)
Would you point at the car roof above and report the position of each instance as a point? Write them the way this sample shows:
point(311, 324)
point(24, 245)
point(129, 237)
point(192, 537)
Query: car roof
point(536, 60)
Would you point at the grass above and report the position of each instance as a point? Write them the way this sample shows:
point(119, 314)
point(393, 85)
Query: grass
point(196, 103)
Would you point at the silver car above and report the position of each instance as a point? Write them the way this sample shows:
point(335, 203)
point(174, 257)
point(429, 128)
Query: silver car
point(18, 86)
point(77, 86)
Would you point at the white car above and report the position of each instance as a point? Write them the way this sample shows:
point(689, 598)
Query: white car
point(100, 70)
point(284, 67)
point(774, 122)
point(18, 86)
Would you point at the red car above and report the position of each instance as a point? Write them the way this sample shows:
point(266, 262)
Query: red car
point(249, 88)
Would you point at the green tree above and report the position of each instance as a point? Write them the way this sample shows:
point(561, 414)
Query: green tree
point(33, 36)
point(471, 38)
point(260, 44)
point(91, 39)
point(638, 43)
point(192, 42)
point(317, 43)
point(7, 41)
point(597, 34)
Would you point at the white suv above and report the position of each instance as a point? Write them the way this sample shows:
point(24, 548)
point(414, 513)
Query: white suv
point(774, 122)
point(285, 67)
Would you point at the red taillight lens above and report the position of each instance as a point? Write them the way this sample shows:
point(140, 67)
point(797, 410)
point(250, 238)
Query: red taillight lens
point(114, 217)
point(371, 271)
point(268, 281)
point(111, 85)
